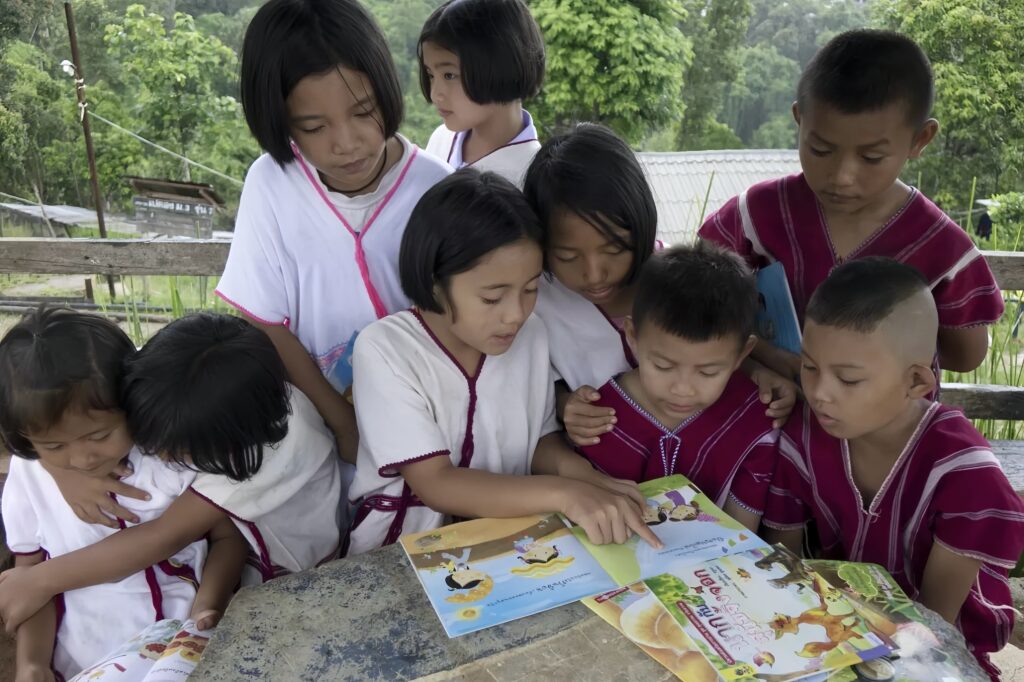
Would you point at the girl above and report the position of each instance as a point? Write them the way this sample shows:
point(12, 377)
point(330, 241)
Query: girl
point(479, 59)
point(454, 397)
point(59, 377)
point(209, 392)
point(315, 253)
point(600, 223)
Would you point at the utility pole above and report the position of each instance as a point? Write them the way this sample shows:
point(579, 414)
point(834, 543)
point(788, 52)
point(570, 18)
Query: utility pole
point(86, 129)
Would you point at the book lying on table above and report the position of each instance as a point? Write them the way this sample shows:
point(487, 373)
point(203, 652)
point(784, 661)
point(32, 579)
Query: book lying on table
point(166, 651)
point(489, 571)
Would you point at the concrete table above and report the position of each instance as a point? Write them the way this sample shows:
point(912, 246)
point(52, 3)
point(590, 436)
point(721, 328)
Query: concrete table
point(367, 618)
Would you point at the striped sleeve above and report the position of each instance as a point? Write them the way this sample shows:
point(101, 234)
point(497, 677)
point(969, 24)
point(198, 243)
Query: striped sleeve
point(966, 293)
point(725, 228)
point(752, 481)
point(785, 507)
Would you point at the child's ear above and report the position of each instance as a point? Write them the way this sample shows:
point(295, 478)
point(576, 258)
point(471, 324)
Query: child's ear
point(922, 381)
point(924, 137)
point(796, 113)
point(748, 347)
point(630, 330)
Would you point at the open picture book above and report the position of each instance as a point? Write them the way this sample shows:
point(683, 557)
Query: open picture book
point(166, 651)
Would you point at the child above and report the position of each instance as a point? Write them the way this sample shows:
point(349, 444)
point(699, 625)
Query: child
point(479, 59)
point(686, 409)
point(862, 110)
point(209, 392)
point(599, 224)
point(887, 476)
point(454, 398)
point(60, 373)
point(315, 253)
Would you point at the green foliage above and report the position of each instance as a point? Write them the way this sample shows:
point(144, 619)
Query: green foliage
point(618, 63)
point(778, 132)
point(764, 90)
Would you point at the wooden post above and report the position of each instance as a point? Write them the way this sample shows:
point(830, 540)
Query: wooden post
point(86, 129)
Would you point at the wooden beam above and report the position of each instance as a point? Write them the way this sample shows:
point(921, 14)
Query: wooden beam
point(1008, 267)
point(114, 256)
point(983, 401)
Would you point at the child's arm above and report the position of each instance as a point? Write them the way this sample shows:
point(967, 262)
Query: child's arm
point(749, 519)
point(947, 580)
point(962, 350)
point(584, 423)
point(554, 458)
point(34, 646)
point(23, 591)
point(221, 574)
point(91, 498)
point(338, 413)
point(774, 387)
point(792, 539)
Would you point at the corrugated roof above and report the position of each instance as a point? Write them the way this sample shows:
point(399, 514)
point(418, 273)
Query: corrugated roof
point(68, 215)
point(679, 181)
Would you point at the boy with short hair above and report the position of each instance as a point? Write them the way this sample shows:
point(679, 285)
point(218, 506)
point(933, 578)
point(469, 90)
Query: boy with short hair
point(888, 476)
point(686, 408)
point(862, 109)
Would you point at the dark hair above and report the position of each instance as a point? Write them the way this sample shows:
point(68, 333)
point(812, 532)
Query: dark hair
point(593, 173)
point(698, 292)
point(54, 360)
point(499, 46)
point(209, 392)
point(455, 223)
point(288, 40)
point(866, 70)
point(860, 293)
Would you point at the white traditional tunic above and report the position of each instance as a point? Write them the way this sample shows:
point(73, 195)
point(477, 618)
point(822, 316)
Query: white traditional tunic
point(510, 161)
point(414, 401)
point(94, 620)
point(320, 263)
point(291, 511)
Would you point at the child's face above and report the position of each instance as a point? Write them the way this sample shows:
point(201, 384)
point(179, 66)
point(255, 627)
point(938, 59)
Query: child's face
point(853, 381)
point(92, 442)
point(852, 161)
point(446, 92)
point(680, 377)
point(334, 119)
point(493, 300)
point(585, 260)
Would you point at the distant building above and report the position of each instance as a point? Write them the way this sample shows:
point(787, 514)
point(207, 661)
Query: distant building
point(173, 207)
point(680, 180)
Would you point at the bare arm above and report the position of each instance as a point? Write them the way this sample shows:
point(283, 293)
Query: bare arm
point(777, 391)
point(34, 646)
point(338, 413)
point(947, 581)
point(23, 591)
point(793, 540)
point(221, 573)
point(962, 350)
point(781, 362)
point(749, 519)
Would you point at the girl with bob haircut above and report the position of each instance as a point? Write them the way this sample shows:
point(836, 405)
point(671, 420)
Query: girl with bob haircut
point(209, 393)
point(454, 397)
point(60, 415)
point(479, 59)
point(322, 212)
point(599, 224)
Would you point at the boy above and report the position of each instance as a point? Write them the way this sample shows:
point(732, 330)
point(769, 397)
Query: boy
point(686, 408)
point(862, 110)
point(888, 476)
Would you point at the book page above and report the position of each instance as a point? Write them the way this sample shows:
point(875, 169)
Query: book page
point(166, 651)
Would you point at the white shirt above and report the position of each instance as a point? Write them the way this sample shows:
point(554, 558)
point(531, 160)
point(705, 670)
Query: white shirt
point(510, 161)
point(586, 346)
point(413, 401)
point(290, 511)
point(294, 262)
point(99, 618)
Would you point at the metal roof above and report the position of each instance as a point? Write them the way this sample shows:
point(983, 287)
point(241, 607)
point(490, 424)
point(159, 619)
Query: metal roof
point(679, 182)
point(67, 215)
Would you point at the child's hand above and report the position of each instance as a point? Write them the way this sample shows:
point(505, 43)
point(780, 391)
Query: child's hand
point(777, 392)
point(34, 673)
point(20, 597)
point(619, 486)
point(206, 619)
point(90, 497)
point(605, 516)
point(585, 422)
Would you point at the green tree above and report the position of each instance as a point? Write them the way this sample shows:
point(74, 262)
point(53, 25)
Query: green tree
point(620, 63)
point(764, 90)
point(975, 50)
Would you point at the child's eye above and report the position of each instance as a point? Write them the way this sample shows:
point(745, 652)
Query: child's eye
point(854, 382)
point(491, 301)
point(809, 368)
point(530, 292)
point(449, 76)
point(564, 259)
point(312, 131)
point(819, 152)
point(101, 436)
point(661, 368)
point(53, 448)
point(710, 374)
point(615, 250)
point(874, 159)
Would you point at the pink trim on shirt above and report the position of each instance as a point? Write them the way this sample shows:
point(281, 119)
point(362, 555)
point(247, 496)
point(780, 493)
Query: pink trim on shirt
point(622, 337)
point(155, 594)
point(267, 568)
point(391, 470)
point(364, 269)
point(284, 323)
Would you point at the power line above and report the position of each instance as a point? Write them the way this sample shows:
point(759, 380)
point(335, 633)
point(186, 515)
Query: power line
point(165, 149)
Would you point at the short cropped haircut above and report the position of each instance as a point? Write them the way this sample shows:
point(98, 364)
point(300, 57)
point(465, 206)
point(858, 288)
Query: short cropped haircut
point(55, 360)
point(208, 391)
point(457, 222)
point(866, 70)
point(498, 43)
point(593, 173)
point(859, 294)
point(288, 40)
point(698, 292)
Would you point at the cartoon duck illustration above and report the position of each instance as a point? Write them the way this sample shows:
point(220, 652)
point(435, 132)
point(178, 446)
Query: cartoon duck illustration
point(655, 514)
point(469, 584)
point(532, 552)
